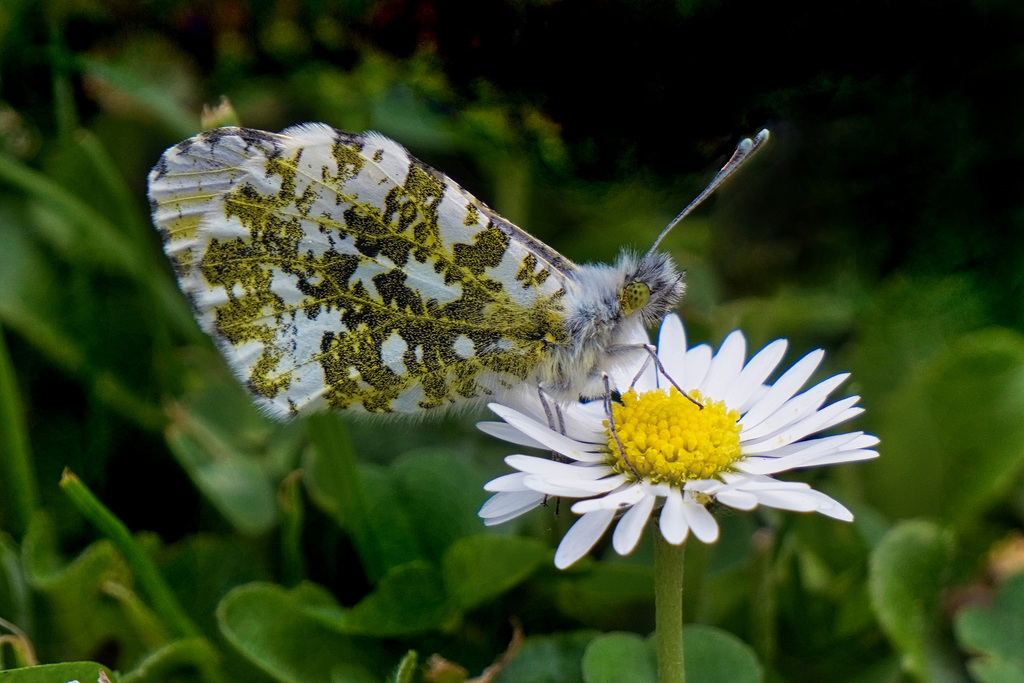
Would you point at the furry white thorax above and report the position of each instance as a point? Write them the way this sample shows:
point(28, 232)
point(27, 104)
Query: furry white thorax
point(601, 336)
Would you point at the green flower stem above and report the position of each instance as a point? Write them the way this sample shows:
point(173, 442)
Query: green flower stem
point(668, 609)
point(16, 471)
point(152, 583)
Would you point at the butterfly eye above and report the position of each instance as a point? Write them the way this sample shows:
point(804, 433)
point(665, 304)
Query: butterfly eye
point(634, 296)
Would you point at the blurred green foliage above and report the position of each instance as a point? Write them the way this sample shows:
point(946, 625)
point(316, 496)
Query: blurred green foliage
point(205, 542)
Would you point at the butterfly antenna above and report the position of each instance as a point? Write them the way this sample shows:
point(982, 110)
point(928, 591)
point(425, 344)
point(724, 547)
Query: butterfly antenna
point(743, 152)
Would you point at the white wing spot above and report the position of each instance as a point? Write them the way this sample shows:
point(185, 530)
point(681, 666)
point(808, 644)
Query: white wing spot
point(391, 352)
point(365, 272)
point(463, 347)
point(423, 278)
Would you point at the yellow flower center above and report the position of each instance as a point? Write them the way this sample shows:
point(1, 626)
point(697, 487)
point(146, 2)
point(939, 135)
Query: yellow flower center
point(667, 438)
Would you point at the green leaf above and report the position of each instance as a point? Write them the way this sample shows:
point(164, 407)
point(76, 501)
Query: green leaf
point(79, 594)
point(143, 92)
point(82, 332)
point(406, 668)
point(30, 295)
point(399, 523)
point(907, 572)
point(620, 658)
point(191, 654)
point(548, 659)
point(201, 568)
point(84, 672)
point(711, 655)
point(84, 234)
point(139, 561)
point(608, 595)
point(417, 597)
point(235, 456)
point(716, 656)
point(394, 532)
point(235, 484)
point(409, 599)
point(433, 481)
point(20, 495)
point(477, 569)
point(338, 485)
point(996, 632)
point(276, 630)
point(15, 593)
point(953, 432)
point(996, 671)
point(293, 564)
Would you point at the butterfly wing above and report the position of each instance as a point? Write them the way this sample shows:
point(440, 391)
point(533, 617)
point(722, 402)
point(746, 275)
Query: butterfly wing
point(337, 271)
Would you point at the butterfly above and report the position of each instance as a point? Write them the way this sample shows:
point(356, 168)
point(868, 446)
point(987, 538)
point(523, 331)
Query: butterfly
point(337, 271)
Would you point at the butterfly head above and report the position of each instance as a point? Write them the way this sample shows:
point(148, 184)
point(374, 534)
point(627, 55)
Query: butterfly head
point(652, 287)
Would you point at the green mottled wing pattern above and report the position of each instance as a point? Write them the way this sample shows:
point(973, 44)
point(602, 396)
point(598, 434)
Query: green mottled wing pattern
point(337, 271)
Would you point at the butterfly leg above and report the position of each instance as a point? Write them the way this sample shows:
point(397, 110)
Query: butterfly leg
point(611, 422)
point(643, 368)
point(653, 356)
point(557, 457)
point(556, 421)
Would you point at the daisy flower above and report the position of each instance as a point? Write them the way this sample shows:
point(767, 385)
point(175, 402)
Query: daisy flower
point(719, 442)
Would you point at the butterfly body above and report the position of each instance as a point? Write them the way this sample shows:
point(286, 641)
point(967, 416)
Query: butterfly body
point(337, 271)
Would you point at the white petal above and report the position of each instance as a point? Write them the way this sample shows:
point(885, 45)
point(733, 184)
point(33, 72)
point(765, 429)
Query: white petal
point(658, 490)
point(550, 439)
point(755, 483)
point(739, 500)
point(783, 389)
point(796, 408)
point(800, 454)
point(672, 350)
point(833, 508)
point(725, 366)
point(584, 422)
point(569, 487)
point(864, 441)
point(502, 507)
point(759, 391)
point(797, 501)
point(698, 360)
point(819, 445)
point(508, 482)
point(624, 497)
point(831, 415)
point(579, 539)
point(841, 457)
point(755, 373)
point(506, 432)
point(537, 465)
point(704, 526)
point(631, 526)
point(672, 521)
point(832, 418)
point(672, 334)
